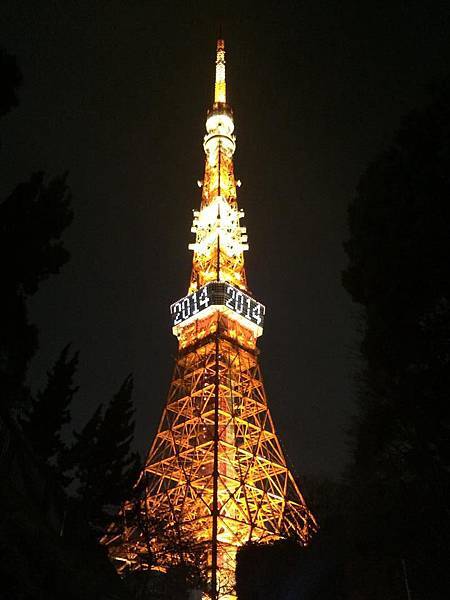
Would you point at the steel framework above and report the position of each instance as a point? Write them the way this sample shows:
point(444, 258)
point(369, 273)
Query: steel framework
point(216, 474)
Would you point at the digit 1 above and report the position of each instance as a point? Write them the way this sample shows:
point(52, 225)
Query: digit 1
point(239, 303)
point(194, 299)
point(248, 300)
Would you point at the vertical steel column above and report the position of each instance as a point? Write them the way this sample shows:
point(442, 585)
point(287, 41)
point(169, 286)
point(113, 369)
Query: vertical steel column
point(215, 507)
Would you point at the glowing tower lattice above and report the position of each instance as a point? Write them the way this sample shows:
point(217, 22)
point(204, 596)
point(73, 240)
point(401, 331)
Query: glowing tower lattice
point(216, 471)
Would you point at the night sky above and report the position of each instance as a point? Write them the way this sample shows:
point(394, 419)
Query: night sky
point(116, 93)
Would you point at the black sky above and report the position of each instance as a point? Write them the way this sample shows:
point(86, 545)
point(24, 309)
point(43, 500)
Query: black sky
point(116, 93)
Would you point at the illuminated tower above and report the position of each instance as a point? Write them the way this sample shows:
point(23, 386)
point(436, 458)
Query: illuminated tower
point(216, 473)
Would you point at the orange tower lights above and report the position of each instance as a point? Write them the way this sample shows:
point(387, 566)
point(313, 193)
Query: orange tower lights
point(216, 473)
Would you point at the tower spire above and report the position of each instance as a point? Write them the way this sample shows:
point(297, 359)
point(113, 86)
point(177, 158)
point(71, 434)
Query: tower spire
point(220, 241)
point(220, 88)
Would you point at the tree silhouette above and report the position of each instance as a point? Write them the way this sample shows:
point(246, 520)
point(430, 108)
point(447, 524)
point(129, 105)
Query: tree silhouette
point(399, 271)
point(104, 465)
point(41, 549)
point(50, 411)
point(32, 220)
point(114, 444)
point(156, 543)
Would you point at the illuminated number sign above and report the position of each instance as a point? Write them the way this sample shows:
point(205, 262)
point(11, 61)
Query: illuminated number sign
point(218, 294)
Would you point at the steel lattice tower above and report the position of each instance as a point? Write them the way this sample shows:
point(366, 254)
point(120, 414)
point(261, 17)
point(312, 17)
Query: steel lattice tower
point(216, 473)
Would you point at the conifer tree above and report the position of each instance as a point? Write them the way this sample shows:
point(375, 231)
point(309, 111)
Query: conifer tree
point(102, 459)
point(114, 443)
point(82, 458)
point(50, 409)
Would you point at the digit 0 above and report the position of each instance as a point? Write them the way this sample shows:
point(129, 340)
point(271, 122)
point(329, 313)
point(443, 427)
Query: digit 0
point(239, 302)
point(185, 308)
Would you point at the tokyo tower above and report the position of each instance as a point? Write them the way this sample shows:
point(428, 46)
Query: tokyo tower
point(216, 474)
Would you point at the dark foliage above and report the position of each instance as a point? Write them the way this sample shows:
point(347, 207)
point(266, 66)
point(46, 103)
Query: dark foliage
point(399, 271)
point(155, 585)
point(32, 220)
point(50, 411)
point(47, 551)
point(103, 463)
point(162, 540)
